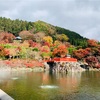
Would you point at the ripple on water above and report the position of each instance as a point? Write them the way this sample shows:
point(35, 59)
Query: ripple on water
point(15, 78)
point(75, 96)
point(48, 86)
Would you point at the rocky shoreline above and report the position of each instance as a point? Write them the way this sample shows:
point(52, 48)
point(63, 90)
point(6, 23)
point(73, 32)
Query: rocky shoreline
point(54, 67)
point(65, 67)
point(37, 69)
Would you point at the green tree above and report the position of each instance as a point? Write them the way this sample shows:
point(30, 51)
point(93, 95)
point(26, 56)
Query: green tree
point(62, 37)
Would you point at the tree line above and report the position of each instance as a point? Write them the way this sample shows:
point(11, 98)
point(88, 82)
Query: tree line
point(16, 26)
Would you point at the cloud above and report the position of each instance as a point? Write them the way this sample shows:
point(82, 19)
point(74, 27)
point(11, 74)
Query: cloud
point(81, 16)
point(93, 33)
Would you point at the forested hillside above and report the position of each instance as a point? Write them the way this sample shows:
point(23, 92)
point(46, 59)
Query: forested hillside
point(16, 26)
point(40, 40)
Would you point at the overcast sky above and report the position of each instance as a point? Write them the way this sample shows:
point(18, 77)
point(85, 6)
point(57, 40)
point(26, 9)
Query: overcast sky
point(81, 16)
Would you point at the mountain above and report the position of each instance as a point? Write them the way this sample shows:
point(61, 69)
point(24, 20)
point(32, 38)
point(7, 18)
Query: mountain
point(74, 38)
point(16, 26)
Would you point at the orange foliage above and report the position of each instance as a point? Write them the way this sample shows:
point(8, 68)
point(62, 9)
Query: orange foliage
point(6, 52)
point(6, 37)
point(18, 49)
point(45, 49)
point(34, 44)
point(25, 44)
point(46, 44)
point(60, 50)
point(3, 51)
point(11, 51)
point(92, 43)
point(81, 53)
point(30, 65)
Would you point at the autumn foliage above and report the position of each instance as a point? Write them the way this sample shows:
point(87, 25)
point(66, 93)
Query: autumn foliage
point(3, 52)
point(26, 35)
point(60, 50)
point(81, 53)
point(48, 39)
point(92, 43)
point(91, 60)
point(40, 46)
point(6, 37)
point(45, 49)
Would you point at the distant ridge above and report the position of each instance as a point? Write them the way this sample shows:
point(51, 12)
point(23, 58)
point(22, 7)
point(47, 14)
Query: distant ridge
point(16, 26)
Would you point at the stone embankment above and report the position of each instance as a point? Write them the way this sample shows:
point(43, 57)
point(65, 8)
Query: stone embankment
point(65, 67)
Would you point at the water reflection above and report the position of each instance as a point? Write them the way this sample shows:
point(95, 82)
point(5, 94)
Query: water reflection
point(90, 82)
point(66, 82)
point(14, 78)
point(4, 76)
point(48, 87)
point(51, 86)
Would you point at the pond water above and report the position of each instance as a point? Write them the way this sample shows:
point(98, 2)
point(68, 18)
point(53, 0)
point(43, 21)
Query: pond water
point(51, 86)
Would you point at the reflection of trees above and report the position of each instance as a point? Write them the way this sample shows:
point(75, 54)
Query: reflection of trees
point(49, 78)
point(27, 86)
point(70, 82)
point(4, 75)
point(67, 82)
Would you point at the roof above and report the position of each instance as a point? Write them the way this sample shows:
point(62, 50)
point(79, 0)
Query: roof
point(66, 59)
point(18, 38)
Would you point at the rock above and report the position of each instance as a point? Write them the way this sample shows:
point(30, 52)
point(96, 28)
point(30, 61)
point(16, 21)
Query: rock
point(4, 96)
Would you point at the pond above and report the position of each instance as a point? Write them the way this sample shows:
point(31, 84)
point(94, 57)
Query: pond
point(51, 86)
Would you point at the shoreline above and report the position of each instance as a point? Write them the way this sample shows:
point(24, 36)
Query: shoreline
point(39, 69)
point(21, 65)
point(35, 69)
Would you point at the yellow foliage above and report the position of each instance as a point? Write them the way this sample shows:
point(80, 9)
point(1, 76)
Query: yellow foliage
point(57, 43)
point(62, 37)
point(45, 49)
point(48, 39)
point(12, 51)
